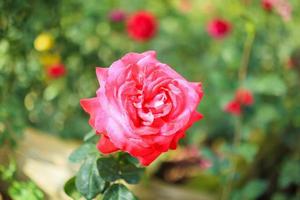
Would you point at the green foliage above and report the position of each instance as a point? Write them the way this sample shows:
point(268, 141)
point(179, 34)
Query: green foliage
point(19, 190)
point(25, 190)
point(84, 151)
point(247, 151)
point(98, 175)
point(118, 192)
point(83, 38)
point(290, 173)
point(8, 172)
point(112, 170)
point(70, 189)
point(88, 181)
point(109, 169)
point(251, 191)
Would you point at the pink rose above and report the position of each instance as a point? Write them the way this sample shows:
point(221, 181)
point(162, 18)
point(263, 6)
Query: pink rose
point(143, 106)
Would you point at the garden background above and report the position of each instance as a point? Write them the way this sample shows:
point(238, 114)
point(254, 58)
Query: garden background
point(49, 50)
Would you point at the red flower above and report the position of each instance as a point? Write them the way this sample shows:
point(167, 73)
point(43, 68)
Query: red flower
point(56, 70)
point(218, 28)
point(267, 5)
point(233, 107)
point(244, 97)
point(142, 26)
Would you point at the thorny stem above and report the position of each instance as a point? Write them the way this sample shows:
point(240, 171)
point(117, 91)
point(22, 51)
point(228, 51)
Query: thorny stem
point(242, 74)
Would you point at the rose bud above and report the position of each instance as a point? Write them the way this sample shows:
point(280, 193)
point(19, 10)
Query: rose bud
point(56, 70)
point(244, 96)
point(233, 107)
point(218, 28)
point(142, 107)
point(267, 5)
point(142, 26)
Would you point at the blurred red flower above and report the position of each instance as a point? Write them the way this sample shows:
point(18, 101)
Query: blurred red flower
point(267, 5)
point(142, 26)
point(56, 70)
point(281, 7)
point(218, 28)
point(233, 107)
point(244, 97)
point(117, 15)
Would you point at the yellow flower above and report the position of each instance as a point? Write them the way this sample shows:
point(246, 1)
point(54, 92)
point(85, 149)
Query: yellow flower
point(43, 42)
point(48, 59)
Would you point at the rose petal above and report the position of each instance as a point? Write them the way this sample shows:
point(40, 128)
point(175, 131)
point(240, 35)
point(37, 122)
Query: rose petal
point(105, 145)
point(93, 107)
point(147, 159)
point(176, 138)
point(101, 74)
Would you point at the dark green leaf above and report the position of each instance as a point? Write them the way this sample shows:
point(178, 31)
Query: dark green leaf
point(254, 189)
point(82, 152)
point(70, 189)
point(118, 192)
point(88, 181)
point(108, 169)
point(130, 159)
point(131, 174)
point(290, 173)
point(111, 169)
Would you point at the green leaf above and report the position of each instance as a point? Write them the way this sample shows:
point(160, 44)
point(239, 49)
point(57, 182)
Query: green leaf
point(254, 189)
point(88, 181)
point(7, 172)
point(247, 151)
point(20, 190)
point(70, 189)
point(111, 169)
point(265, 115)
point(89, 136)
point(270, 84)
point(118, 192)
point(131, 174)
point(289, 173)
point(82, 152)
point(108, 169)
point(130, 159)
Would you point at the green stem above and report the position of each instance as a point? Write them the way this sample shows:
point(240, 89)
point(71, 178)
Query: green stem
point(246, 54)
point(242, 74)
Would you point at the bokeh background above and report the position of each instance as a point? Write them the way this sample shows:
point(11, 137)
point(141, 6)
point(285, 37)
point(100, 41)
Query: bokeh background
point(245, 147)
